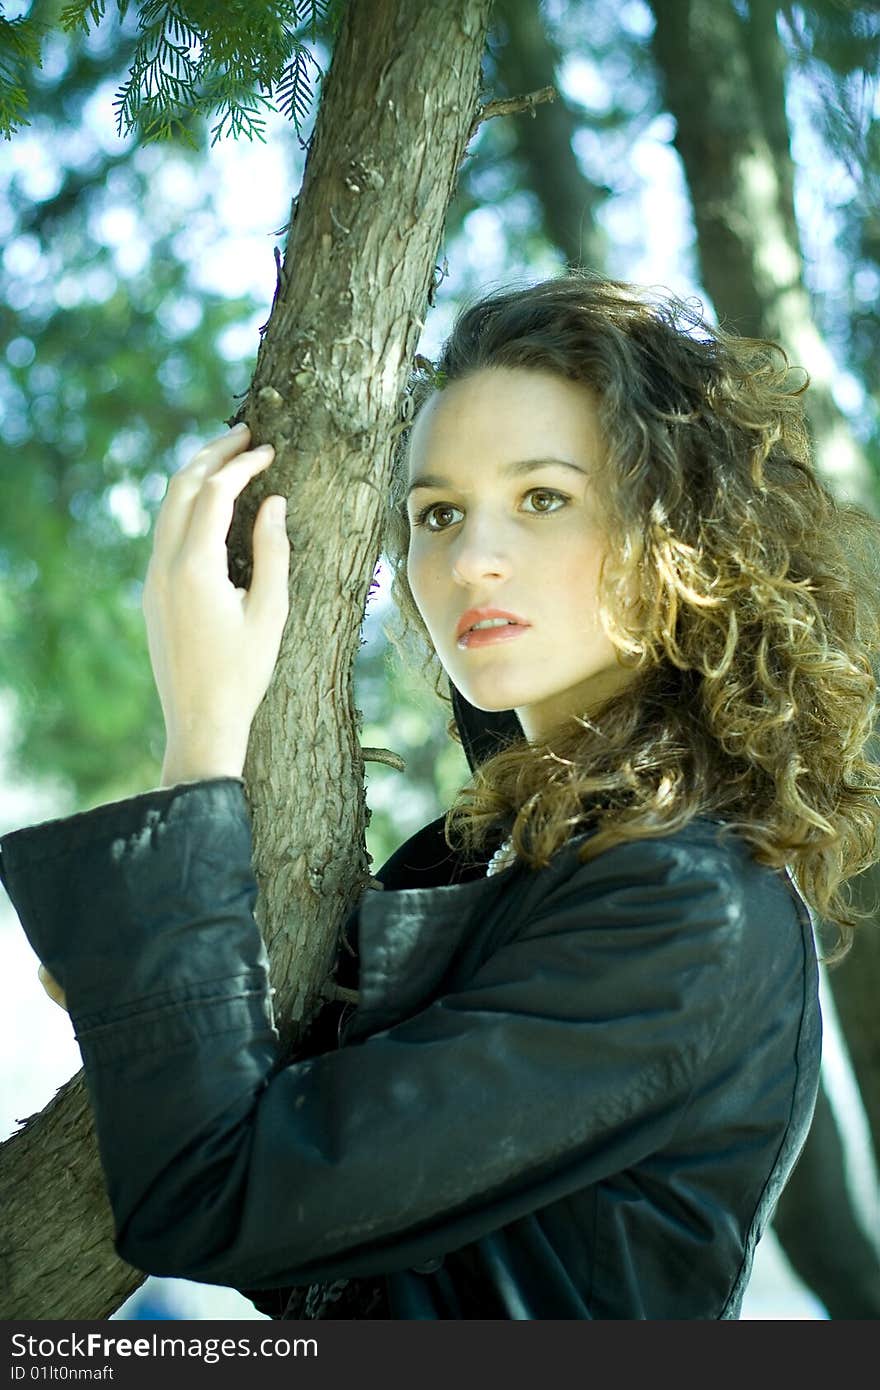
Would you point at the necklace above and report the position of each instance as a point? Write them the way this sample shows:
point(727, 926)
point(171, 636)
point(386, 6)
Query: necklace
point(503, 857)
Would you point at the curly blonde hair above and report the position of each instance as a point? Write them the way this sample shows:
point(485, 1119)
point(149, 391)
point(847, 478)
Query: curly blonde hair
point(755, 627)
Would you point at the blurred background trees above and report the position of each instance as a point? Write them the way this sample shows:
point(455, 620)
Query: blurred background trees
point(729, 149)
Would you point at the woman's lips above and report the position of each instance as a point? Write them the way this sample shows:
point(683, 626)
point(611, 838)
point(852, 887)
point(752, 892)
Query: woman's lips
point(485, 636)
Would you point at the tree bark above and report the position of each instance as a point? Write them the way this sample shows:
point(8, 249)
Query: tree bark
point(398, 107)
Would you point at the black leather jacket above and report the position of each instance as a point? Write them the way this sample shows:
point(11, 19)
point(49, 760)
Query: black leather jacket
point(573, 1093)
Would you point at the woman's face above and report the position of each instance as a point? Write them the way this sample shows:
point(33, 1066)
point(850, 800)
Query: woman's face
point(523, 539)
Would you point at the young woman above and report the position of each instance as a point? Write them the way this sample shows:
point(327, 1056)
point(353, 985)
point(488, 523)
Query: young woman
point(586, 1049)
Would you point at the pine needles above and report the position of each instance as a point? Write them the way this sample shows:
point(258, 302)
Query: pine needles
point(193, 59)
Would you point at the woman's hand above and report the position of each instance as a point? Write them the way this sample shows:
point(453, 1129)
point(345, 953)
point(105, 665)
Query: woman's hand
point(52, 987)
point(213, 647)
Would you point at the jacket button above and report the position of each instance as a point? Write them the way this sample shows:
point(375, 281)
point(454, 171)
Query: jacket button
point(429, 1266)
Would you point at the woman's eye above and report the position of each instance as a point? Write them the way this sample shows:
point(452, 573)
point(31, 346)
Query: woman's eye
point(422, 518)
point(547, 492)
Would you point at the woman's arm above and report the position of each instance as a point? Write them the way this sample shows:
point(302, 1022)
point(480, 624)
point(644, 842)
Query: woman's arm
point(567, 1057)
point(212, 647)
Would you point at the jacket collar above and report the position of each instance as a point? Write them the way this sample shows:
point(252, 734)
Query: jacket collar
point(410, 934)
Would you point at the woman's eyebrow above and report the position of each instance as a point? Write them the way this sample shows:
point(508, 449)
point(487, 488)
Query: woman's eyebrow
point(431, 480)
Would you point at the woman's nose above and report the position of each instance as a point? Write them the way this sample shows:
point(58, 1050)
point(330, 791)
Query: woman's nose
point(480, 551)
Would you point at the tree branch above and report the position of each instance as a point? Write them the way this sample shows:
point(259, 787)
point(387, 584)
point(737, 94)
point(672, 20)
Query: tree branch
point(511, 106)
point(384, 755)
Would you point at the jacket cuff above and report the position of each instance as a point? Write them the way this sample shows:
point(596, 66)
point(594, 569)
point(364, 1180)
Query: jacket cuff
point(146, 899)
point(182, 1018)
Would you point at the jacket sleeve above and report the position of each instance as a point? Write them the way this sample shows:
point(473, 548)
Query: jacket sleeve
point(568, 1055)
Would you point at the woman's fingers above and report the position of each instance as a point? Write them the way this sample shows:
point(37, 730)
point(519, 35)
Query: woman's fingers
point(52, 987)
point(268, 598)
point(176, 511)
point(214, 647)
point(204, 544)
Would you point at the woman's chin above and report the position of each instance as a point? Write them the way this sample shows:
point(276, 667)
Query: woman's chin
point(489, 698)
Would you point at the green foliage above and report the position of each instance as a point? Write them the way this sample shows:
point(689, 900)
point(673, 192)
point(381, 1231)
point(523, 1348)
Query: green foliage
point(77, 16)
point(193, 59)
point(20, 41)
point(191, 62)
point(91, 424)
point(110, 360)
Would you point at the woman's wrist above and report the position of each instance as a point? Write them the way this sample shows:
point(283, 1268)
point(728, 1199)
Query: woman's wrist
point(185, 763)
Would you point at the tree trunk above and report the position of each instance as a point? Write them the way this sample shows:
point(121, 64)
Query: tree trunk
point(397, 109)
point(817, 1224)
point(525, 60)
point(724, 89)
point(724, 84)
point(855, 984)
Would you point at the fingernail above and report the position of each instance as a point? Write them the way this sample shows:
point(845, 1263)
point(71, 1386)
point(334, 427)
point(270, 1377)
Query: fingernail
point(279, 510)
point(239, 428)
